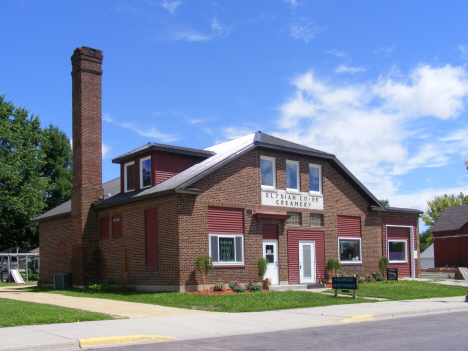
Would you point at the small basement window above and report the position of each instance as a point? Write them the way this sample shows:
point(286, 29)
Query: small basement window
point(129, 170)
point(350, 250)
point(227, 249)
point(294, 218)
point(268, 172)
point(145, 172)
point(397, 251)
point(315, 179)
point(316, 220)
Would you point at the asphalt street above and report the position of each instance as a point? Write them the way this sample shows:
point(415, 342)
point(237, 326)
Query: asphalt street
point(426, 333)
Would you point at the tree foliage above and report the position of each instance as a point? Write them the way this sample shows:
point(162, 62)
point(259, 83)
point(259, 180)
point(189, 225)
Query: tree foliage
point(35, 172)
point(437, 205)
point(425, 239)
point(385, 202)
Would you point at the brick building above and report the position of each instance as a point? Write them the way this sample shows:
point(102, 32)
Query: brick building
point(237, 201)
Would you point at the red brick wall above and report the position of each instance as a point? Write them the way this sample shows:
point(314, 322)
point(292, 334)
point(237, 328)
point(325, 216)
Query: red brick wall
point(51, 234)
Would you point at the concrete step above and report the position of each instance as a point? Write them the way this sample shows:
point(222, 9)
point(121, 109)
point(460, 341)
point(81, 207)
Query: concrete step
point(464, 272)
point(297, 287)
point(437, 275)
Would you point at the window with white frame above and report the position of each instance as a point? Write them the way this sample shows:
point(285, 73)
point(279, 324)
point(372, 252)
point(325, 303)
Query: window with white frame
point(350, 250)
point(316, 220)
point(227, 249)
point(292, 175)
point(294, 218)
point(145, 172)
point(397, 251)
point(268, 172)
point(315, 178)
point(129, 174)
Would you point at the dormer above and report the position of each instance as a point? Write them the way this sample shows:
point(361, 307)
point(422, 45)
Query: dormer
point(154, 163)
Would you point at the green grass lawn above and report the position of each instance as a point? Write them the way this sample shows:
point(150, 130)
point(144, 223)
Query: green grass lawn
point(274, 300)
point(16, 313)
point(407, 290)
point(244, 302)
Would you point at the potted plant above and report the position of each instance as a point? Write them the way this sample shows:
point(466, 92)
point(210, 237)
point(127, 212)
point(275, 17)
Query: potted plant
point(204, 265)
point(332, 266)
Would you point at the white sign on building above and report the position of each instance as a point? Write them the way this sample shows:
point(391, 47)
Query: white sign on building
point(296, 200)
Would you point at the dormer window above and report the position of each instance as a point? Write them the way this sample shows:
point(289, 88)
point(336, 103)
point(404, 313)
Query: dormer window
point(129, 169)
point(145, 172)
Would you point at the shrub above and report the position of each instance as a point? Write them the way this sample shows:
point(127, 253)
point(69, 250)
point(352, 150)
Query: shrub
point(204, 265)
point(333, 264)
point(233, 284)
point(251, 286)
point(104, 288)
point(218, 286)
point(383, 264)
point(262, 267)
point(32, 275)
point(361, 280)
point(370, 279)
point(238, 288)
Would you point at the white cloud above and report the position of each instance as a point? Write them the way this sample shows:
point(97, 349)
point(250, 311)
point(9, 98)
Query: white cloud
point(463, 52)
point(386, 50)
point(337, 53)
point(151, 132)
point(293, 3)
point(348, 69)
point(305, 32)
point(370, 126)
point(438, 92)
point(191, 36)
point(217, 31)
point(230, 133)
point(170, 6)
point(105, 150)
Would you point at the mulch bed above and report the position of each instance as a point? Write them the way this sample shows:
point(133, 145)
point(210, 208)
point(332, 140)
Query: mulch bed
point(225, 292)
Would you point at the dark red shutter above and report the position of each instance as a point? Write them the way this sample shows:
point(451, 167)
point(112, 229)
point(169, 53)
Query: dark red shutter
point(270, 231)
point(223, 220)
point(104, 228)
point(349, 226)
point(117, 226)
point(151, 233)
point(131, 177)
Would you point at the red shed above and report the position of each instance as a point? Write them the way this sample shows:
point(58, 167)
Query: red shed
point(450, 234)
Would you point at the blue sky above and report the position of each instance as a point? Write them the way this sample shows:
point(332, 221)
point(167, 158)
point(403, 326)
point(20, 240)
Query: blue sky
point(382, 85)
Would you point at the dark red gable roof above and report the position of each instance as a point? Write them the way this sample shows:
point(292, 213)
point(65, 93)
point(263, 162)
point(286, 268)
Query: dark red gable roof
point(453, 218)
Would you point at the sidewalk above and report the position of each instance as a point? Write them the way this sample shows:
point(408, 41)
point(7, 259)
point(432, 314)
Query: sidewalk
point(185, 327)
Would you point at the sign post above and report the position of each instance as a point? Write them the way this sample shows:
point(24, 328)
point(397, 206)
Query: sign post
point(345, 283)
point(392, 274)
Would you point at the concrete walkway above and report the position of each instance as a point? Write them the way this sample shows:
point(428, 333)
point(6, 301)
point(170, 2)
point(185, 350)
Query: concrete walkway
point(194, 325)
point(114, 308)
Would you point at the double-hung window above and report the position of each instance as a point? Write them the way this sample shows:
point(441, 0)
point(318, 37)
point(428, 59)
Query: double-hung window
point(292, 175)
point(397, 251)
point(350, 250)
point(315, 179)
point(129, 173)
point(268, 172)
point(227, 249)
point(145, 172)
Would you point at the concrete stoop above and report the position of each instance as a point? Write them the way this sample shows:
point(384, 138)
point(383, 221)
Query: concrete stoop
point(464, 272)
point(297, 287)
point(437, 275)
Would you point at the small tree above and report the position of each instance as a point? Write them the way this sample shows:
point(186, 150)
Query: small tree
point(204, 265)
point(333, 264)
point(262, 267)
point(383, 265)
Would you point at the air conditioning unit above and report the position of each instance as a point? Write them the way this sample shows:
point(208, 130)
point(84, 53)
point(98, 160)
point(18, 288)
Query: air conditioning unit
point(62, 281)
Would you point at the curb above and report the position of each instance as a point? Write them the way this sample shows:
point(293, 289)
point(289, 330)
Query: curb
point(361, 318)
point(122, 340)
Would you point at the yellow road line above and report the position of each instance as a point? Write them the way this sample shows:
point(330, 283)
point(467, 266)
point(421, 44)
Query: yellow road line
point(364, 317)
point(122, 340)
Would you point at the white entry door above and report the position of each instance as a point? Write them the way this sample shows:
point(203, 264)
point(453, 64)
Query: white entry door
point(270, 252)
point(307, 261)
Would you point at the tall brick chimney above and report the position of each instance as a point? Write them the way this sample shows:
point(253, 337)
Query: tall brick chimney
point(87, 163)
